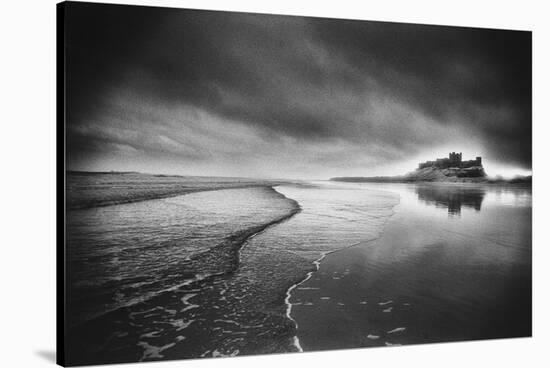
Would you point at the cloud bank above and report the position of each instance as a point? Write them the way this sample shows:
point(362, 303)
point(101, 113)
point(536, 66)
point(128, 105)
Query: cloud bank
point(237, 94)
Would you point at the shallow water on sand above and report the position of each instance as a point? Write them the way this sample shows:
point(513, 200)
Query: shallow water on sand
point(133, 269)
point(453, 263)
point(317, 266)
point(205, 274)
point(120, 255)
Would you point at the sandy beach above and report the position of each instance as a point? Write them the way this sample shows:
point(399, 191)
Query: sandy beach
point(302, 268)
point(451, 265)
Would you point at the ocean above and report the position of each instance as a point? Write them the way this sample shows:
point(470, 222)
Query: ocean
point(168, 269)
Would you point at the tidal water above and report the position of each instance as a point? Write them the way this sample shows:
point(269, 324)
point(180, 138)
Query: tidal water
point(133, 268)
point(453, 264)
point(262, 269)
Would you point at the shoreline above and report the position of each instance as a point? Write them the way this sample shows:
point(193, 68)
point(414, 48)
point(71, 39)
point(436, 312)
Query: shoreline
point(358, 295)
point(229, 251)
point(518, 182)
point(317, 263)
point(106, 203)
point(107, 189)
point(388, 291)
point(237, 242)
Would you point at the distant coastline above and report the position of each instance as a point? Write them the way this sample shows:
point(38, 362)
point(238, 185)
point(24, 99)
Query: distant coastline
point(405, 179)
point(442, 170)
point(98, 189)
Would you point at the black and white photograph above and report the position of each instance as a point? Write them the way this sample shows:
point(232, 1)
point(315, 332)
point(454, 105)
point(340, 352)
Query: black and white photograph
point(275, 184)
point(241, 184)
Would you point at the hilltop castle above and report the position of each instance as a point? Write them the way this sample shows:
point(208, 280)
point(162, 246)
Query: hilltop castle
point(444, 170)
point(454, 161)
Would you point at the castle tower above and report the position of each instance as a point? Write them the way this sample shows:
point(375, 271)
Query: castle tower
point(455, 158)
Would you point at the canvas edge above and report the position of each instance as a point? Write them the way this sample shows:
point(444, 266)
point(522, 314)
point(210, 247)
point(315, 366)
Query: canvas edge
point(60, 184)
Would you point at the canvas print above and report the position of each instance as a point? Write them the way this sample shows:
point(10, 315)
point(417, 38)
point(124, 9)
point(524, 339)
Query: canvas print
point(237, 184)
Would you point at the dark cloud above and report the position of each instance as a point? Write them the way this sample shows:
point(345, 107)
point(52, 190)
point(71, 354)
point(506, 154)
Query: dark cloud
point(206, 89)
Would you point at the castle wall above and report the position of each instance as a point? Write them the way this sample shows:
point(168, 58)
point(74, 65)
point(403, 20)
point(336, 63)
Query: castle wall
point(454, 160)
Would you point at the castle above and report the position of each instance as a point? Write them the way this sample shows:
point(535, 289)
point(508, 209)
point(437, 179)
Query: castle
point(454, 161)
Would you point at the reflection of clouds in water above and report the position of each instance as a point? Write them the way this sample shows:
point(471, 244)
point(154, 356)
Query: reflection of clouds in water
point(452, 198)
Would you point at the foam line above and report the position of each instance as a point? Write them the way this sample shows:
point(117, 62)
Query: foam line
point(317, 263)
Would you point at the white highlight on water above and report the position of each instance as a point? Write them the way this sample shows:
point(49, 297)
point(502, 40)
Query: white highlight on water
point(317, 263)
point(185, 301)
point(390, 344)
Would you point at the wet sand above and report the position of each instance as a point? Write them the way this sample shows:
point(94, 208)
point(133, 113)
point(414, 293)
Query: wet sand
point(450, 266)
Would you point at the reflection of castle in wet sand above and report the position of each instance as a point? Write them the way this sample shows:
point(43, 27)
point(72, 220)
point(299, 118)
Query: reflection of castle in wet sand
point(452, 198)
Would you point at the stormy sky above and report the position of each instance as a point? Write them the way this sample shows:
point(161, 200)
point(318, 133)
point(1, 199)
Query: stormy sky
point(233, 94)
